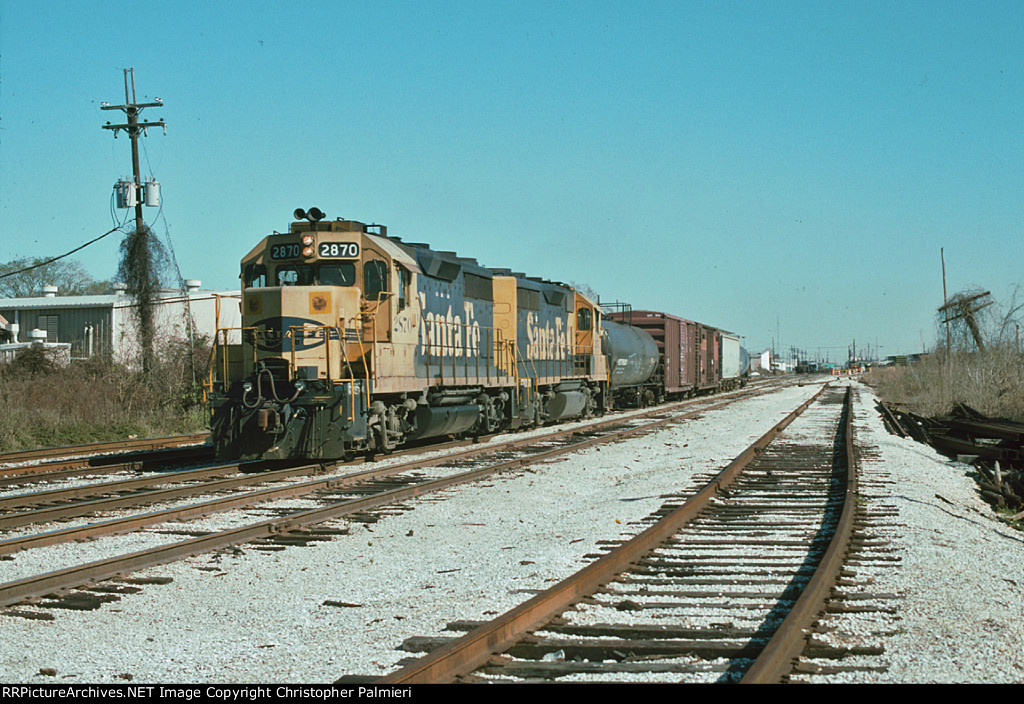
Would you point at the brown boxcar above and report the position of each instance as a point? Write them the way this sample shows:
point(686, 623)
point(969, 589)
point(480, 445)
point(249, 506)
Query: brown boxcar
point(689, 351)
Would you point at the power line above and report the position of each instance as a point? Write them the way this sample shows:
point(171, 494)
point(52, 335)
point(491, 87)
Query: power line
point(68, 254)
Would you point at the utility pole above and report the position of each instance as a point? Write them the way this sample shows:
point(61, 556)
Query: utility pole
point(945, 301)
point(133, 128)
point(137, 262)
point(967, 307)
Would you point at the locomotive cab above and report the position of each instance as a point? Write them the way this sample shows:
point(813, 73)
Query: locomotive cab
point(315, 302)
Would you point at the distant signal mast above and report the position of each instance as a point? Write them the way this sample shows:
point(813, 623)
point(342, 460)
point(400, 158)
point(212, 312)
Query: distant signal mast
point(128, 193)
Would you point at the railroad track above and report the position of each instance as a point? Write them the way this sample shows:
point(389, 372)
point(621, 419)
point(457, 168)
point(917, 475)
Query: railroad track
point(101, 448)
point(350, 494)
point(43, 507)
point(122, 462)
point(724, 586)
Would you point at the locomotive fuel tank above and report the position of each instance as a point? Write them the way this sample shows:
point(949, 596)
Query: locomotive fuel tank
point(632, 354)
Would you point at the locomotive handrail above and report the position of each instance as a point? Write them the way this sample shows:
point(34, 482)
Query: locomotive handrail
point(292, 366)
point(225, 359)
point(372, 318)
point(490, 350)
point(347, 364)
point(382, 319)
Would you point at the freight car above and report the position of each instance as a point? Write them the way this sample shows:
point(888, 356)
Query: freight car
point(352, 340)
point(735, 361)
point(688, 355)
point(693, 358)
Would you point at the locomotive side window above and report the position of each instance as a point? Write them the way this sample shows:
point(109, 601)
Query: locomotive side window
point(343, 274)
point(375, 279)
point(583, 318)
point(255, 275)
point(479, 287)
point(528, 298)
point(404, 281)
point(295, 275)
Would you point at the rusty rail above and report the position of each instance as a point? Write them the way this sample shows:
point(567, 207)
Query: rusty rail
point(777, 658)
point(12, 592)
point(95, 448)
point(454, 660)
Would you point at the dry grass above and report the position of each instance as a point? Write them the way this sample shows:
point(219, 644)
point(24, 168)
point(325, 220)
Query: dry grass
point(991, 382)
point(42, 405)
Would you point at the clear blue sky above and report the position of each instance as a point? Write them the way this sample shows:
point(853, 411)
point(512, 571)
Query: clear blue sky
point(759, 166)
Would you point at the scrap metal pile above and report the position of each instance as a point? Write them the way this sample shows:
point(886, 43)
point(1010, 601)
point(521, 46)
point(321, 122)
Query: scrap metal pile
point(994, 445)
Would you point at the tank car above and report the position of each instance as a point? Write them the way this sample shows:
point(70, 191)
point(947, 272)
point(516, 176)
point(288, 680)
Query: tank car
point(633, 365)
point(352, 340)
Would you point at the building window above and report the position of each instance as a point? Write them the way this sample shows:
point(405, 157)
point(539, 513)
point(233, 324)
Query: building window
point(51, 324)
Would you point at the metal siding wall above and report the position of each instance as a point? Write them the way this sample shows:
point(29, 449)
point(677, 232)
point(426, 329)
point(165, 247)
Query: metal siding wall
point(70, 326)
point(730, 356)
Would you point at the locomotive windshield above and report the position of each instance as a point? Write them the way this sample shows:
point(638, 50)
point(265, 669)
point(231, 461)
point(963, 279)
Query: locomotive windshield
point(343, 274)
point(295, 275)
point(254, 275)
point(333, 274)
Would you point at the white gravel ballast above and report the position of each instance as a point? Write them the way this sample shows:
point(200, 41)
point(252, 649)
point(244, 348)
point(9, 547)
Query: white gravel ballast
point(339, 607)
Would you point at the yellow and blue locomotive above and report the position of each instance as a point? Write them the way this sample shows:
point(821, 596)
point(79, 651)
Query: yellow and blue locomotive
point(353, 340)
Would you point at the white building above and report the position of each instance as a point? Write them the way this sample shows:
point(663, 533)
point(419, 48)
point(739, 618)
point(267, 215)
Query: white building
point(761, 362)
point(107, 324)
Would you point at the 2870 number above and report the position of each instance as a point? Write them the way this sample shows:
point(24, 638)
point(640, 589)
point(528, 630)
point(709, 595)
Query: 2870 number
point(292, 250)
point(327, 250)
point(339, 250)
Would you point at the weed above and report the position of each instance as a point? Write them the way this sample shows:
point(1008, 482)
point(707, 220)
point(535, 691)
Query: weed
point(990, 381)
point(43, 404)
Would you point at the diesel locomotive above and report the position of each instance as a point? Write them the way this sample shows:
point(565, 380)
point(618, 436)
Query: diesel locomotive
point(353, 341)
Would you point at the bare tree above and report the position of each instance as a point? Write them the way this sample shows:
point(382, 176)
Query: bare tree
point(586, 290)
point(1012, 317)
point(22, 278)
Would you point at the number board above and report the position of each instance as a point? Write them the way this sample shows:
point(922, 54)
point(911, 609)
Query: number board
point(290, 250)
point(339, 250)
